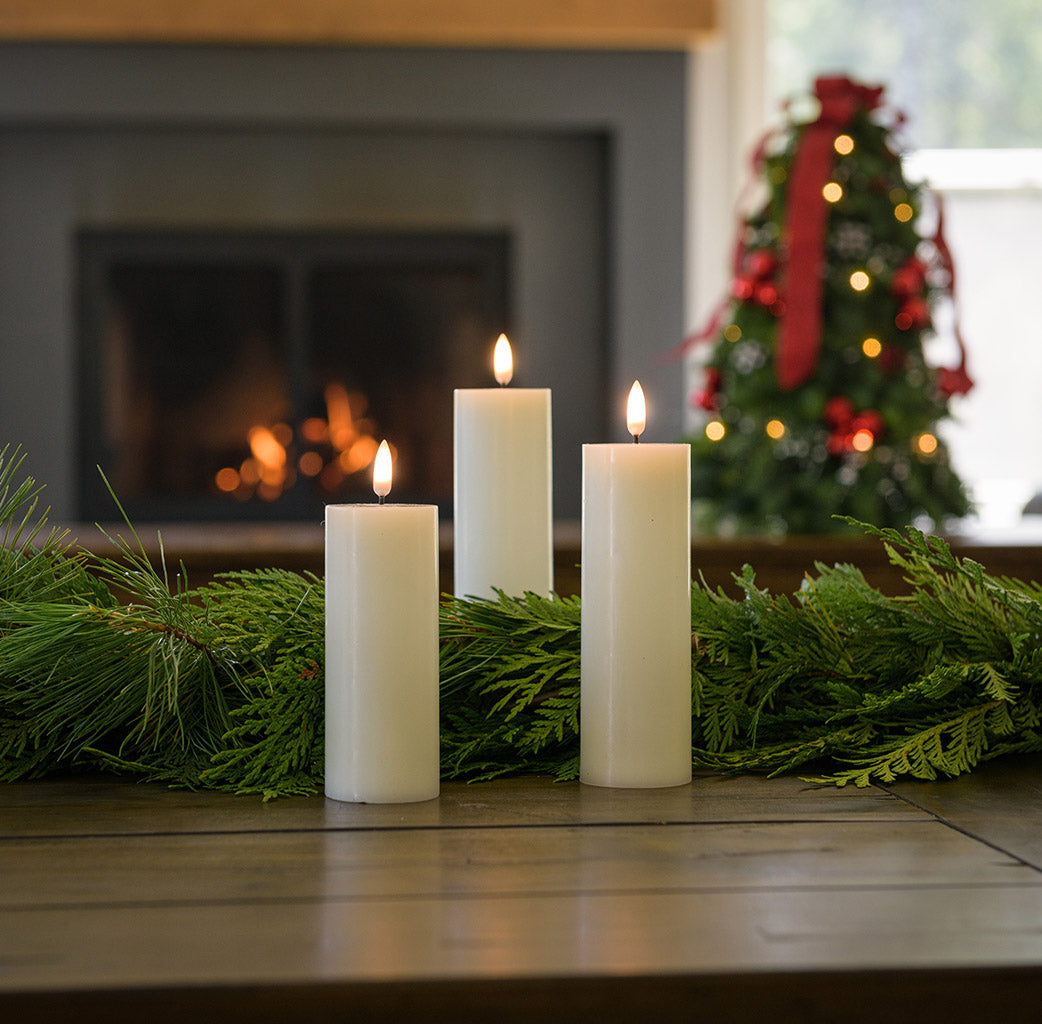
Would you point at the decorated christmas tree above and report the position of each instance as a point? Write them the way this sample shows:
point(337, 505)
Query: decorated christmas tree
point(818, 400)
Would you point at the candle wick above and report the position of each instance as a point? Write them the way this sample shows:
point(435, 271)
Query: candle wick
point(636, 438)
point(381, 497)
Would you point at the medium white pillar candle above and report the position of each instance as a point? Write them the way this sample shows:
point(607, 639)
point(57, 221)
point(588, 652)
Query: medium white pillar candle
point(635, 676)
point(382, 739)
point(503, 487)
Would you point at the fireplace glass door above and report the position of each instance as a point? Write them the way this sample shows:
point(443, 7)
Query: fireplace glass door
point(252, 376)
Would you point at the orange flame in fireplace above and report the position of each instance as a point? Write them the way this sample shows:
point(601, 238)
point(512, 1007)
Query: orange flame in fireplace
point(331, 450)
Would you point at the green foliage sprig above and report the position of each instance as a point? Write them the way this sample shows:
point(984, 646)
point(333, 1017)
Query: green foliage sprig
point(108, 663)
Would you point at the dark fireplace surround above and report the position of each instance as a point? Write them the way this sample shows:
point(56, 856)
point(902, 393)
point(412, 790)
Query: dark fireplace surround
point(233, 375)
point(571, 162)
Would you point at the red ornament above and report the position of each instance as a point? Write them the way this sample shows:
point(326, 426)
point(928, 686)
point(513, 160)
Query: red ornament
point(846, 424)
point(909, 279)
point(839, 411)
point(761, 263)
point(742, 287)
point(914, 314)
point(869, 420)
point(754, 280)
point(837, 442)
point(766, 294)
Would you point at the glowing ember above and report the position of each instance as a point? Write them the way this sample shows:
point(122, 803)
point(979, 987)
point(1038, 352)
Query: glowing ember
point(326, 450)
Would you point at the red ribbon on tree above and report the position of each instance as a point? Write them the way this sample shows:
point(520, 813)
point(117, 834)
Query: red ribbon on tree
point(806, 214)
point(955, 381)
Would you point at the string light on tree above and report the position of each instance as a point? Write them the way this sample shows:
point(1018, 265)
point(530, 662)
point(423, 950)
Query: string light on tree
point(844, 145)
point(926, 444)
point(862, 440)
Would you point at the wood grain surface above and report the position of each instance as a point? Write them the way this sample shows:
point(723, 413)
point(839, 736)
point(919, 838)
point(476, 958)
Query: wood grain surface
point(525, 899)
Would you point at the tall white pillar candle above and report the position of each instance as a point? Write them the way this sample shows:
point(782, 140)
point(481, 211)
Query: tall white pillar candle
point(635, 676)
point(503, 488)
point(382, 739)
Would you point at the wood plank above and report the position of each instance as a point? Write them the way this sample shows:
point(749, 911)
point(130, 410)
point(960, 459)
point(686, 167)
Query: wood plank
point(675, 24)
point(280, 867)
point(104, 805)
point(999, 803)
point(553, 935)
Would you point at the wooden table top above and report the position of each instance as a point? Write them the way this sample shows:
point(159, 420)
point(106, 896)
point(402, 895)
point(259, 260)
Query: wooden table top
point(730, 899)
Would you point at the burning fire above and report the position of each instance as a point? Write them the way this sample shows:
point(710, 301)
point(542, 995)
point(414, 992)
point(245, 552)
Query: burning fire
point(331, 449)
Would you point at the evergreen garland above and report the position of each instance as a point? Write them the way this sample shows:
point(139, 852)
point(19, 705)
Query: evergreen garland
point(108, 664)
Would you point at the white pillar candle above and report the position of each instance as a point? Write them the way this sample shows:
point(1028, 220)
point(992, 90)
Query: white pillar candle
point(635, 676)
point(382, 739)
point(503, 489)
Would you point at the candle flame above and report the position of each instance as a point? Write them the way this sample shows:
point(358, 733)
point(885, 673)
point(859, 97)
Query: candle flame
point(636, 410)
point(503, 360)
point(382, 470)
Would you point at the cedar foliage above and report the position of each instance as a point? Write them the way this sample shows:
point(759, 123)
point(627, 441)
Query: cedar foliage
point(222, 686)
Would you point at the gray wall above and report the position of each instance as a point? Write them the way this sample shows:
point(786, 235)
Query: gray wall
point(580, 155)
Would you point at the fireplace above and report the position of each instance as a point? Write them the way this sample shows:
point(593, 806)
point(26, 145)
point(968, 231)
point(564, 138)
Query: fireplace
point(252, 375)
point(547, 158)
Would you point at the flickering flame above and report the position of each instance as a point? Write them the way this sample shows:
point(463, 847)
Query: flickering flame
point(326, 450)
point(503, 360)
point(636, 411)
point(359, 455)
point(338, 409)
point(382, 470)
point(266, 448)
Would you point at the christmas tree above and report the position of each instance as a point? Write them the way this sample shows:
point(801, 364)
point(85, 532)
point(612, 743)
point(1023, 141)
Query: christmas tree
point(817, 398)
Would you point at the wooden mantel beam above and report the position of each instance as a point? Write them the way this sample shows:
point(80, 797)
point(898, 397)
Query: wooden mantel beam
point(605, 24)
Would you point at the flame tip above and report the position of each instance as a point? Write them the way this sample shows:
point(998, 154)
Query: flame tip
point(382, 471)
point(636, 410)
point(503, 360)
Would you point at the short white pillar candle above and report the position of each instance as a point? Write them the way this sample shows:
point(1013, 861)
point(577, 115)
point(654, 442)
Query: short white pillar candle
point(381, 676)
point(503, 529)
point(635, 706)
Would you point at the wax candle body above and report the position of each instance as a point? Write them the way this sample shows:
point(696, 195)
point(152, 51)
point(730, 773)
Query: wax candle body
point(635, 707)
point(503, 492)
point(382, 739)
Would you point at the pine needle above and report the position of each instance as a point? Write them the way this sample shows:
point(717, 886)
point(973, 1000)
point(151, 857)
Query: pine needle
point(105, 666)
